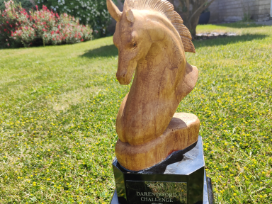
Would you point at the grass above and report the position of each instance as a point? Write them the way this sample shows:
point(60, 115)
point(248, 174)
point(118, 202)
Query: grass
point(58, 107)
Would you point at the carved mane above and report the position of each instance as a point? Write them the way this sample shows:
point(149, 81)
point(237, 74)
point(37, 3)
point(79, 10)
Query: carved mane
point(167, 9)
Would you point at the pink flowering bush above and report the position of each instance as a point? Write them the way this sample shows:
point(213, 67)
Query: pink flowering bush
point(9, 23)
point(25, 34)
point(18, 26)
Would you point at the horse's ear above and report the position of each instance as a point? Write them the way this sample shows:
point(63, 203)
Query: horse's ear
point(130, 16)
point(126, 7)
point(113, 10)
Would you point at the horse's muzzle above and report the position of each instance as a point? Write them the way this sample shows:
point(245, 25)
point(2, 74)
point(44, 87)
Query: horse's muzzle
point(125, 71)
point(121, 77)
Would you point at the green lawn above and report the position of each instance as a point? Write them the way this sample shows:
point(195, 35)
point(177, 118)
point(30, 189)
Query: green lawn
point(58, 106)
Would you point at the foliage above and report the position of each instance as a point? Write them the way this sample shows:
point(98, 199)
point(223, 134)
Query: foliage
point(18, 25)
point(59, 104)
point(89, 12)
point(26, 4)
point(247, 13)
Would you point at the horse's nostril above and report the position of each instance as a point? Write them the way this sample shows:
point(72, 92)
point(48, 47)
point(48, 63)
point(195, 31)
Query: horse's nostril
point(120, 75)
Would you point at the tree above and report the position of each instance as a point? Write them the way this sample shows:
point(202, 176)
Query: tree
point(190, 11)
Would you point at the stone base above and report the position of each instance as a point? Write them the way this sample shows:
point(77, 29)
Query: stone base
point(207, 194)
point(181, 132)
point(180, 179)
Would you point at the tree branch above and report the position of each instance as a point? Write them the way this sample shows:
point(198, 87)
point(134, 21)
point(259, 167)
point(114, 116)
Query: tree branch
point(208, 4)
point(199, 8)
point(188, 4)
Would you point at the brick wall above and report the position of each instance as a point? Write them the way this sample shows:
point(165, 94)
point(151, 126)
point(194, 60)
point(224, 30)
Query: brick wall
point(236, 10)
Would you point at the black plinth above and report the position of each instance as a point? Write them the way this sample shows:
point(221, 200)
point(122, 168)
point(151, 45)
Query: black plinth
point(180, 179)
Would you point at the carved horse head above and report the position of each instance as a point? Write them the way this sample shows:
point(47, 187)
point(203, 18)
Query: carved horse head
point(131, 36)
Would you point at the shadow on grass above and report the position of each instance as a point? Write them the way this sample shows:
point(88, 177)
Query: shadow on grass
point(228, 40)
point(104, 51)
point(241, 25)
point(111, 50)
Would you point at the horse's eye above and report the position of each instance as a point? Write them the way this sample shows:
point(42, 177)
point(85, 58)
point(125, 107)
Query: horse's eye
point(134, 44)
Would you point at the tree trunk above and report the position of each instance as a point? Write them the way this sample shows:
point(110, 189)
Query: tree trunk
point(190, 11)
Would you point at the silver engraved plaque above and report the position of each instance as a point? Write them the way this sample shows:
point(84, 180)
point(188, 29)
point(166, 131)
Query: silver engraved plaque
point(156, 192)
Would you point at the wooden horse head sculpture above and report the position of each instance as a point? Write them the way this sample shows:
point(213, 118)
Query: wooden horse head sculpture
point(151, 39)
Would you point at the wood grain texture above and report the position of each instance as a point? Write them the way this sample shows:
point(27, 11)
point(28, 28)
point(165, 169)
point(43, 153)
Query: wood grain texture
point(180, 133)
point(151, 40)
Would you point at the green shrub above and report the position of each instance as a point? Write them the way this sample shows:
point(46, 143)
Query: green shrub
point(89, 12)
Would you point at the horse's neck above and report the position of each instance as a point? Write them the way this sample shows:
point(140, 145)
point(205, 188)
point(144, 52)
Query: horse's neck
point(152, 100)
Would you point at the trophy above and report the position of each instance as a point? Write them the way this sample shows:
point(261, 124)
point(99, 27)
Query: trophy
point(159, 153)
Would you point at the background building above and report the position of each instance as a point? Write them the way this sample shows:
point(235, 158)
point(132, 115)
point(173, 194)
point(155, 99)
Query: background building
point(236, 10)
